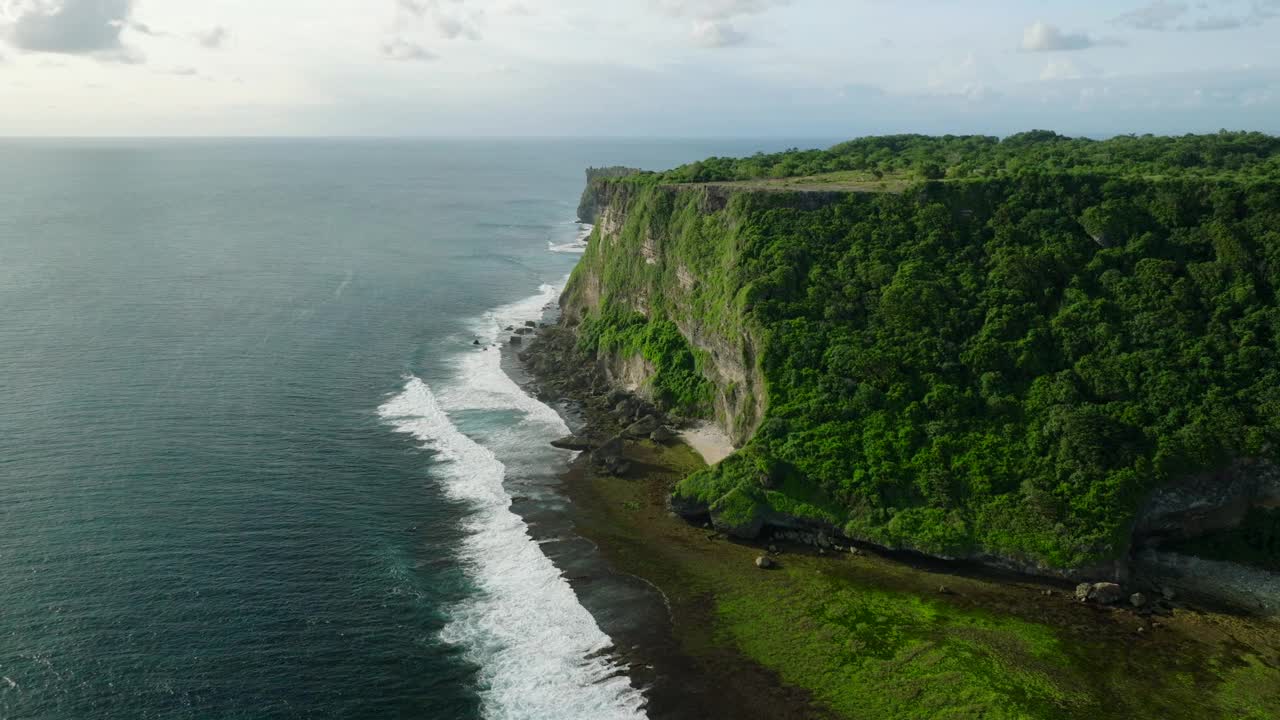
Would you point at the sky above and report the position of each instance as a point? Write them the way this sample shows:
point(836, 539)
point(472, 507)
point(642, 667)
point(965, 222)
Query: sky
point(644, 68)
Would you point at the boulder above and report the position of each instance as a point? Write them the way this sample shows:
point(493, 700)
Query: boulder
point(573, 442)
point(642, 427)
point(517, 340)
point(509, 328)
point(609, 451)
point(523, 331)
point(663, 434)
point(1138, 600)
point(1082, 591)
point(617, 466)
point(624, 409)
point(1103, 593)
point(530, 324)
point(764, 562)
point(1106, 593)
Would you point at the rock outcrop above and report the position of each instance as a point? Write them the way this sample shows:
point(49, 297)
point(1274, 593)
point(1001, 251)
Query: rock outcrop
point(1203, 503)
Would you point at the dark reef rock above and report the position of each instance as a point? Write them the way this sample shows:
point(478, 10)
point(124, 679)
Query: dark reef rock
point(574, 442)
point(609, 451)
point(663, 435)
point(643, 427)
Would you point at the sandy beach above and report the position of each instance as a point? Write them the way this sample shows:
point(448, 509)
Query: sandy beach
point(710, 441)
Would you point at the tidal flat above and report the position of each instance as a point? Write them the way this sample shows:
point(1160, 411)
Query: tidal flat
point(863, 635)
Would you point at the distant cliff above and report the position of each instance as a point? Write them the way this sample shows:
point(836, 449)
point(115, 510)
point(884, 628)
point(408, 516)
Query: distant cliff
point(588, 207)
point(958, 368)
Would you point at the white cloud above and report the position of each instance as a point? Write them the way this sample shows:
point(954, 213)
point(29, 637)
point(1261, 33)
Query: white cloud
point(450, 18)
point(213, 38)
point(71, 27)
point(716, 34)
point(399, 49)
point(712, 19)
point(1043, 37)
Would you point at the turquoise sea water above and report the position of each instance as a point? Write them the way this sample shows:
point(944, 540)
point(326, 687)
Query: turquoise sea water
point(252, 464)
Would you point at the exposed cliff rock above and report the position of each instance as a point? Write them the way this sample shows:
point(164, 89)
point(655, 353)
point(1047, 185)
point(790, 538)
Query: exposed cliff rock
point(592, 201)
point(1207, 502)
point(666, 271)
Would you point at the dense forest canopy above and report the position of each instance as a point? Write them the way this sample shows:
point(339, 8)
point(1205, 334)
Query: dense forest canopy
point(1004, 363)
point(968, 156)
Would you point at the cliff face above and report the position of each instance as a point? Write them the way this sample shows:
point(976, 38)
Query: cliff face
point(961, 369)
point(590, 206)
point(670, 254)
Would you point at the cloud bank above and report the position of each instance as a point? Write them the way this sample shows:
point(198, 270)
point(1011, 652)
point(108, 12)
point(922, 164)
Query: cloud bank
point(71, 27)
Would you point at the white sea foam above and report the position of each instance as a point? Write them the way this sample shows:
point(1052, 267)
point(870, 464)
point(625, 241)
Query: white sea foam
point(579, 245)
point(541, 654)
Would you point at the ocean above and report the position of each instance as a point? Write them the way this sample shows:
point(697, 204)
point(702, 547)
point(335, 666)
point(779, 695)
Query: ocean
point(254, 463)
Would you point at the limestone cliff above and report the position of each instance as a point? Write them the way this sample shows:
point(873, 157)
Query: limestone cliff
point(590, 206)
point(651, 253)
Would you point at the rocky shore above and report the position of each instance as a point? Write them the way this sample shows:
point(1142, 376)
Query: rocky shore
point(614, 417)
point(626, 444)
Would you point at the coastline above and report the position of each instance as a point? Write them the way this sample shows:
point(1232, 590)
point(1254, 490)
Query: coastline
point(662, 634)
point(860, 634)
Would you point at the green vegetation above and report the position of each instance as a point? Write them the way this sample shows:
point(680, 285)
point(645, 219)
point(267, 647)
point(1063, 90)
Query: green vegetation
point(677, 382)
point(922, 657)
point(873, 639)
point(871, 652)
point(976, 156)
point(1007, 361)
